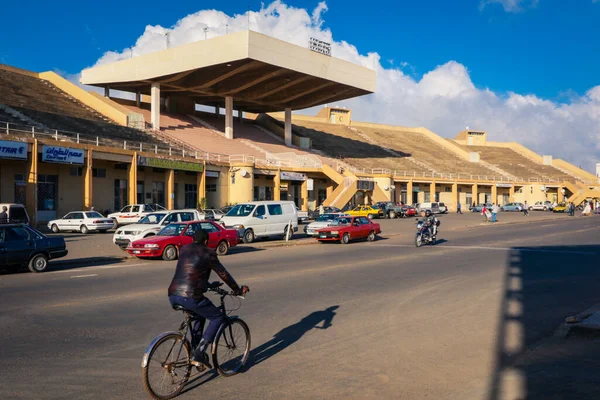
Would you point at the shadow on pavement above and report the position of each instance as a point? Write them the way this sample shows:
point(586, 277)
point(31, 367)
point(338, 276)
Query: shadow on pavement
point(543, 286)
point(280, 341)
point(79, 263)
point(243, 249)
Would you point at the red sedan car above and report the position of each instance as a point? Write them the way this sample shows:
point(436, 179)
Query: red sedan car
point(168, 241)
point(408, 211)
point(349, 228)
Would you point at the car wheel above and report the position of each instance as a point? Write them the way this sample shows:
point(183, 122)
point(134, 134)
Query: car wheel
point(249, 236)
point(530, 208)
point(222, 248)
point(83, 229)
point(170, 253)
point(545, 208)
point(288, 234)
point(55, 228)
point(38, 263)
point(392, 214)
point(371, 237)
point(501, 208)
point(345, 238)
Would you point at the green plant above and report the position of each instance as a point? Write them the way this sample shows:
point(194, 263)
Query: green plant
point(202, 203)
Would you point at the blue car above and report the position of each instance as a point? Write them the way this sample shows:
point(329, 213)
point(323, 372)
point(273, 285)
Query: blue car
point(479, 207)
point(512, 207)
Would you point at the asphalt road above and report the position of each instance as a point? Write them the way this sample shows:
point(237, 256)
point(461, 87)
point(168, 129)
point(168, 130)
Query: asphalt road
point(367, 320)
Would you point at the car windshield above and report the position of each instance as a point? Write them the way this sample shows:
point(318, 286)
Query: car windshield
point(342, 221)
point(241, 210)
point(94, 214)
point(152, 218)
point(325, 218)
point(172, 230)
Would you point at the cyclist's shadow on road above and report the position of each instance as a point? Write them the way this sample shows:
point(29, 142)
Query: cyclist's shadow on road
point(291, 334)
point(281, 340)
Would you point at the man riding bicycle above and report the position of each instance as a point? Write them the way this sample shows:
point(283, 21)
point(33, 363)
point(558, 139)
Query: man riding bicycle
point(190, 282)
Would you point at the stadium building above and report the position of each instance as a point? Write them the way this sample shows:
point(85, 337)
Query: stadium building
point(64, 149)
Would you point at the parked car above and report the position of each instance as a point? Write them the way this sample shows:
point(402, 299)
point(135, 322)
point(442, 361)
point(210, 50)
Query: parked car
point(389, 208)
point(512, 207)
point(262, 219)
point(365, 211)
point(349, 228)
point(408, 211)
point(171, 238)
point(81, 221)
point(151, 224)
point(21, 245)
point(302, 215)
point(212, 214)
point(479, 207)
point(225, 209)
point(323, 221)
point(561, 208)
point(443, 209)
point(434, 207)
point(17, 214)
point(326, 210)
point(541, 206)
point(133, 213)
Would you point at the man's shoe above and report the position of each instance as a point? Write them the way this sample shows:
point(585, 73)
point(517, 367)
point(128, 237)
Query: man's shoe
point(200, 359)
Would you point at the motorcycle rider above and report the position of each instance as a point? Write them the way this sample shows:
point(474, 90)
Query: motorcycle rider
point(430, 221)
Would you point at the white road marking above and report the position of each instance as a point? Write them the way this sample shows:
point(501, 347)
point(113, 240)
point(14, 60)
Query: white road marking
point(84, 276)
point(66, 270)
point(531, 250)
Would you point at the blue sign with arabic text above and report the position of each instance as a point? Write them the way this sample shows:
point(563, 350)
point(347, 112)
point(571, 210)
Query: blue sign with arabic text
point(63, 155)
point(9, 149)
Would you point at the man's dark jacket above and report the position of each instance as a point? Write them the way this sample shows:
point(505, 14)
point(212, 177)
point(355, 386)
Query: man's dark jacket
point(196, 261)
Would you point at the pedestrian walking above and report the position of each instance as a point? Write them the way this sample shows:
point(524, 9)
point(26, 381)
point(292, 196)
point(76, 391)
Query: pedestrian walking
point(525, 209)
point(4, 215)
point(458, 208)
point(321, 210)
point(484, 212)
point(495, 210)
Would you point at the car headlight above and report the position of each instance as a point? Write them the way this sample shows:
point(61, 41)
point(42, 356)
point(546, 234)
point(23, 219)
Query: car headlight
point(151, 246)
point(239, 226)
point(334, 232)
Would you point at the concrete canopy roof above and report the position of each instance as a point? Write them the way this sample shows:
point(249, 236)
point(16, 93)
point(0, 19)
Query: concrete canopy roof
point(261, 73)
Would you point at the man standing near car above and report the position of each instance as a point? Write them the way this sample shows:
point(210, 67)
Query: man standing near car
point(4, 215)
point(458, 208)
point(495, 210)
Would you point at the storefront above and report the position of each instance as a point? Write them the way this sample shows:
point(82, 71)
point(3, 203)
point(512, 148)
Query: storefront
point(291, 186)
point(13, 172)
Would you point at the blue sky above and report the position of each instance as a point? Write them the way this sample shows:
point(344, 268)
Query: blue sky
point(550, 49)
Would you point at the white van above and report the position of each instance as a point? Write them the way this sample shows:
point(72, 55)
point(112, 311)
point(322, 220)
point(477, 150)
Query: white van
point(262, 218)
point(433, 207)
point(17, 214)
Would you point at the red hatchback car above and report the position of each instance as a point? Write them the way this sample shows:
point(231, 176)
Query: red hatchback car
point(349, 228)
point(168, 241)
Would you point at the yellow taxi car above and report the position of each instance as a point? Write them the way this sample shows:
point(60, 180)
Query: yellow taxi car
point(561, 208)
point(366, 211)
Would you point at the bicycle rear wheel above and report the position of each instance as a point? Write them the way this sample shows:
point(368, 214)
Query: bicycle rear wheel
point(168, 368)
point(231, 347)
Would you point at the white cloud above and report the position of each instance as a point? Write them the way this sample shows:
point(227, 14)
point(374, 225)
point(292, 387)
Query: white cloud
point(444, 100)
point(511, 6)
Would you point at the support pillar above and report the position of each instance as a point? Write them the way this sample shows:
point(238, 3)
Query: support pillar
point(560, 198)
point(87, 182)
point(288, 127)
point(474, 194)
point(432, 191)
point(304, 195)
point(106, 91)
point(217, 110)
point(329, 190)
point(455, 199)
point(32, 180)
point(201, 187)
point(170, 188)
point(138, 99)
point(229, 117)
point(511, 194)
point(132, 181)
point(409, 192)
point(240, 116)
point(155, 105)
point(276, 186)
point(494, 194)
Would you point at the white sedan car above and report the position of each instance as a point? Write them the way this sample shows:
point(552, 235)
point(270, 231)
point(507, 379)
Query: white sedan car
point(81, 221)
point(212, 214)
point(322, 221)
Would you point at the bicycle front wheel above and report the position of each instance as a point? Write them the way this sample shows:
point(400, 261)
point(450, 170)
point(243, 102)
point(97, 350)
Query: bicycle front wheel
point(167, 369)
point(231, 347)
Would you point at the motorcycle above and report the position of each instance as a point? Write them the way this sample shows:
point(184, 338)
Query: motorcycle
point(424, 234)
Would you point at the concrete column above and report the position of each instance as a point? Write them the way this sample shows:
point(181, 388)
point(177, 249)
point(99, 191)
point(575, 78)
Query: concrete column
point(201, 185)
point(329, 189)
point(87, 182)
point(432, 191)
point(32, 180)
point(170, 188)
point(288, 127)
point(155, 105)
point(494, 194)
point(106, 91)
point(409, 192)
point(455, 196)
point(229, 117)
point(560, 197)
point(217, 110)
point(304, 195)
point(138, 98)
point(474, 193)
point(511, 194)
point(132, 181)
point(240, 116)
point(276, 185)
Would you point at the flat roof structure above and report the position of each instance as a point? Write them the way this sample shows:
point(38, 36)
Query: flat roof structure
point(259, 73)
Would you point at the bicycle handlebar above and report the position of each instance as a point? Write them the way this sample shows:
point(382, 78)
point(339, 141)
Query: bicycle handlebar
point(216, 287)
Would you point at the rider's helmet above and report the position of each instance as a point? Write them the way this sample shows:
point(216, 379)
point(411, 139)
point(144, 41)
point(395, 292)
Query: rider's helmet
point(428, 213)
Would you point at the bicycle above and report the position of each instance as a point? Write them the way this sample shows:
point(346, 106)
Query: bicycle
point(230, 350)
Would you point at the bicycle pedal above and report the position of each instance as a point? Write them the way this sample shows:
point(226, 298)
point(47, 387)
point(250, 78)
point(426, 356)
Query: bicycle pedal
point(201, 368)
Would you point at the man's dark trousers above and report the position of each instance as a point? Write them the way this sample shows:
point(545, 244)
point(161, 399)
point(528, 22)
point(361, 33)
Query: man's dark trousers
point(204, 308)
